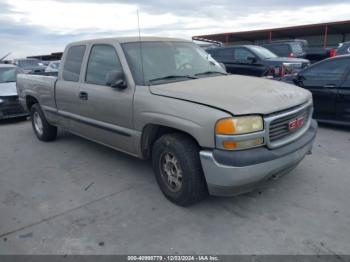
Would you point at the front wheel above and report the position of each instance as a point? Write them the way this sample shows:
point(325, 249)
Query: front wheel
point(42, 129)
point(178, 170)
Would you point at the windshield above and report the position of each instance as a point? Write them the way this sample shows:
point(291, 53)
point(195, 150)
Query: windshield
point(169, 62)
point(30, 63)
point(263, 53)
point(8, 74)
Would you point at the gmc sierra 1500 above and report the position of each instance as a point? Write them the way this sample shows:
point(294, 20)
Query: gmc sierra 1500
point(168, 100)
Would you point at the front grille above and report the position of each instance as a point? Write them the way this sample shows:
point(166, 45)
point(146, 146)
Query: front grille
point(279, 128)
point(9, 100)
point(12, 111)
point(287, 126)
point(11, 106)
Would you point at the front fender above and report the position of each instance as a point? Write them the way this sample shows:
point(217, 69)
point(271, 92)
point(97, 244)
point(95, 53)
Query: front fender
point(194, 119)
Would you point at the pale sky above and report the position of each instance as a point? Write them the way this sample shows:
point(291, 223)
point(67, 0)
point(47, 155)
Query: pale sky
point(33, 27)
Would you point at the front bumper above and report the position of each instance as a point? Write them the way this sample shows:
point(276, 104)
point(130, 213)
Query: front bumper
point(230, 173)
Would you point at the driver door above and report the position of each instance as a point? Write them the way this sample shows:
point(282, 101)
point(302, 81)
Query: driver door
point(107, 110)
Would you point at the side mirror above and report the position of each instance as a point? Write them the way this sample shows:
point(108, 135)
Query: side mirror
point(301, 77)
point(298, 80)
point(252, 59)
point(116, 79)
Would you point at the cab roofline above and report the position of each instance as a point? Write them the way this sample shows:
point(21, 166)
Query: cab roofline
point(133, 39)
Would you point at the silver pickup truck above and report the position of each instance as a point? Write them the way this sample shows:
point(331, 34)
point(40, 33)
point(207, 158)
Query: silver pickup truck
point(169, 101)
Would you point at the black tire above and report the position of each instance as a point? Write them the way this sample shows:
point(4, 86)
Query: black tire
point(193, 187)
point(48, 132)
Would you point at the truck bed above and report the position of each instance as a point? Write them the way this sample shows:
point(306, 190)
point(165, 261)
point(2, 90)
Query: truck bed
point(40, 87)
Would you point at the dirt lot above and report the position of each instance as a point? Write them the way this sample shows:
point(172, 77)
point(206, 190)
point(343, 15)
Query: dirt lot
point(73, 196)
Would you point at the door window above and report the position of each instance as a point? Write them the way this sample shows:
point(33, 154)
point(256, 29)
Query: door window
point(72, 64)
point(242, 54)
point(330, 70)
point(103, 59)
point(224, 53)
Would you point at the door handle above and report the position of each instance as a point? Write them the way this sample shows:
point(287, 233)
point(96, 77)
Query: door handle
point(329, 86)
point(83, 96)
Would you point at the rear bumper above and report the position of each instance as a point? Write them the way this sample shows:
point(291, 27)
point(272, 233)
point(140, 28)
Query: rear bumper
point(231, 173)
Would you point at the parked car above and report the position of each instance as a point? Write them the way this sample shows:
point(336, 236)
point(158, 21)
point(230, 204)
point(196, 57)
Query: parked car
point(344, 49)
point(288, 48)
point(44, 63)
point(329, 83)
point(255, 61)
point(53, 67)
point(299, 48)
point(30, 65)
point(10, 106)
point(204, 130)
point(316, 54)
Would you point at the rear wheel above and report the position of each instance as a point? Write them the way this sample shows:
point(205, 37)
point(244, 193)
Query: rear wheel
point(178, 170)
point(42, 129)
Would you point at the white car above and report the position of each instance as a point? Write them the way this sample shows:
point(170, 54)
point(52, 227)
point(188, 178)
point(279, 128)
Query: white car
point(29, 65)
point(53, 67)
point(9, 104)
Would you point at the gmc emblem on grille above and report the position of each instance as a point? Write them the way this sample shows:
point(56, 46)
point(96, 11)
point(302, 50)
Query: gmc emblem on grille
point(296, 123)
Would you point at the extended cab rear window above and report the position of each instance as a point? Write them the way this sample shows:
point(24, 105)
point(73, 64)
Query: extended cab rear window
point(72, 64)
point(297, 48)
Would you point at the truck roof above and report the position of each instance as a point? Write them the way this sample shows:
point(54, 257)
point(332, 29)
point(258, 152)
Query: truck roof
point(130, 39)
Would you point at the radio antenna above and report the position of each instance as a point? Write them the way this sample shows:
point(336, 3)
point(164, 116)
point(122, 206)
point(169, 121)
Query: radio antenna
point(140, 41)
point(4, 57)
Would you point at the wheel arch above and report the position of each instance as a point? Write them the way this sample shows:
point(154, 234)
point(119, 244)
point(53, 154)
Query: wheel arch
point(151, 132)
point(30, 101)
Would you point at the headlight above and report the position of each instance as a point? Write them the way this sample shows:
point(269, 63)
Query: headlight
point(1, 101)
point(239, 125)
point(239, 132)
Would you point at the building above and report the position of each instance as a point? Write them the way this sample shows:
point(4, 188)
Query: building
point(51, 57)
point(317, 35)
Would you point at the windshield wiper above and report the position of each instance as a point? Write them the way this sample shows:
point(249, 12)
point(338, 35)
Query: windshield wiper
point(172, 77)
point(210, 73)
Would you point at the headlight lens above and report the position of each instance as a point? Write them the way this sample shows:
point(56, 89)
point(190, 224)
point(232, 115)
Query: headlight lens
point(237, 133)
point(239, 125)
point(1, 101)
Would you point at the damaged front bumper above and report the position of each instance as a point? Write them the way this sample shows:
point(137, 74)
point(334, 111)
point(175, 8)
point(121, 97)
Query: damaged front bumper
point(230, 173)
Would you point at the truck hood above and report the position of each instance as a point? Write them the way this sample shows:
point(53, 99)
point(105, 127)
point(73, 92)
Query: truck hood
point(8, 89)
point(238, 95)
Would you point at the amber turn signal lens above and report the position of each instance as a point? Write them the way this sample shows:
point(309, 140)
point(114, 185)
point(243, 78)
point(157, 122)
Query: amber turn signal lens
point(235, 145)
point(230, 145)
point(225, 126)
